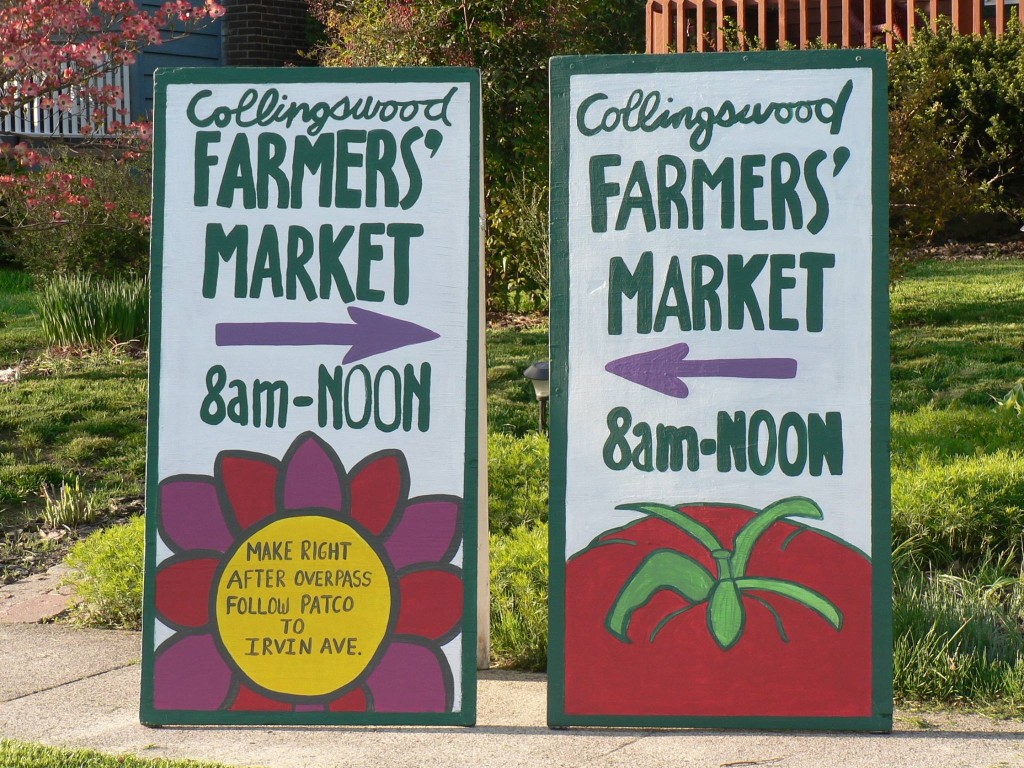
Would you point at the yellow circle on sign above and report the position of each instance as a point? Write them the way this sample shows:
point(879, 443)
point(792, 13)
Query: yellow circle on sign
point(303, 605)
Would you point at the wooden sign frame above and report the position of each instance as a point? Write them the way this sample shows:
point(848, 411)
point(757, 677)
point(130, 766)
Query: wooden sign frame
point(640, 621)
point(314, 542)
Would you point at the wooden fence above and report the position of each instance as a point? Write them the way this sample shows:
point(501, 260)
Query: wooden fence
point(715, 25)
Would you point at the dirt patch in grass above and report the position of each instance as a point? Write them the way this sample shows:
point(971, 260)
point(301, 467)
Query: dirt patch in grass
point(1008, 250)
point(512, 320)
point(27, 549)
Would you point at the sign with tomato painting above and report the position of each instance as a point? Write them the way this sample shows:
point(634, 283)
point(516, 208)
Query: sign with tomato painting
point(719, 445)
point(315, 398)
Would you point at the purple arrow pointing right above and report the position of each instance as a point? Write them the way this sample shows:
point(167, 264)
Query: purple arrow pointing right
point(369, 333)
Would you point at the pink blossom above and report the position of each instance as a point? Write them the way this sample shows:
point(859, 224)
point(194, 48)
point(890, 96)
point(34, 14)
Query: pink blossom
point(51, 53)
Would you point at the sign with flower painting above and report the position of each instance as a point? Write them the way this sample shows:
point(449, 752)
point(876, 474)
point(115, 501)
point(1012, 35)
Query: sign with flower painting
point(315, 398)
point(720, 480)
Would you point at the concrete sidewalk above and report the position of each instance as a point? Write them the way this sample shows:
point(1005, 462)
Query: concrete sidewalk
point(71, 687)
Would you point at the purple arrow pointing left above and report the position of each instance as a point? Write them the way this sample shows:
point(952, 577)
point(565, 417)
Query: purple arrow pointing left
point(663, 369)
point(369, 334)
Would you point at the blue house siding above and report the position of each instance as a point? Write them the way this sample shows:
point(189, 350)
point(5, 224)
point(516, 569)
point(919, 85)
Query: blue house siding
point(203, 48)
point(261, 33)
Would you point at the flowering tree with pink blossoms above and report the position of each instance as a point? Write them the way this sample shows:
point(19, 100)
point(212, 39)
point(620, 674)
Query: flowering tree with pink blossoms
point(53, 54)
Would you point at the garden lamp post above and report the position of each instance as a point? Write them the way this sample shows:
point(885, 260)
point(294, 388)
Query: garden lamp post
point(538, 376)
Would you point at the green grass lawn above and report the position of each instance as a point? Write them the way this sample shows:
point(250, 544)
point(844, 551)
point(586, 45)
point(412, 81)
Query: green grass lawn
point(66, 417)
point(83, 416)
point(20, 334)
point(958, 462)
point(958, 471)
point(958, 484)
point(16, 754)
point(958, 329)
point(511, 406)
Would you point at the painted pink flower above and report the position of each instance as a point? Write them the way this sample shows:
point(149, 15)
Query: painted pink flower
point(213, 523)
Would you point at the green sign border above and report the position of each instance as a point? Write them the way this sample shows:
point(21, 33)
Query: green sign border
point(329, 76)
point(562, 69)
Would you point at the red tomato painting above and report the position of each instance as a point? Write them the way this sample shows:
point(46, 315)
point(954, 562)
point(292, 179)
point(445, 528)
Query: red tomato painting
point(716, 610)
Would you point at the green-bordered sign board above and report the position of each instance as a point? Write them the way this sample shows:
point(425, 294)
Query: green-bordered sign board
point(312, 484)
point(719, 446)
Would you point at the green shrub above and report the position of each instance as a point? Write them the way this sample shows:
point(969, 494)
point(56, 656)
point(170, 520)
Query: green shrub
point(1013, 401)
point(929, 182)
point(519, 598)
point(517, 479)
point(106, 572)
point(954, 513)
point(517, 279)
point(956, 108)
point(83, 311)
point(107, 236)
point(956, 639)
point(511, 41)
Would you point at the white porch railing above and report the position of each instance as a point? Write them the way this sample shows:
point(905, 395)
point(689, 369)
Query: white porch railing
point(35, 120)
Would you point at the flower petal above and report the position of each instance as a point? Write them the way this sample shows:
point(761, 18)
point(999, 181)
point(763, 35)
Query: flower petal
point(411, 678)
point(377, 486)
point(310, 707)
point(353, 701)
point(426, 533)
point(190, 515)
point(250, 484)
point(312, 475)
point(183, 591)
point(430, 604)
point(190, 674)
point(248, 700)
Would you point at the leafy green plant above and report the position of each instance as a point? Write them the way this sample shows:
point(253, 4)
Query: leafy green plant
point(1013, 401)
point(13, 281)
point(510, 40)
point(106, 572)
point(519, 597)
point(83, 311)
point(517, 478)
point(68, 506)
